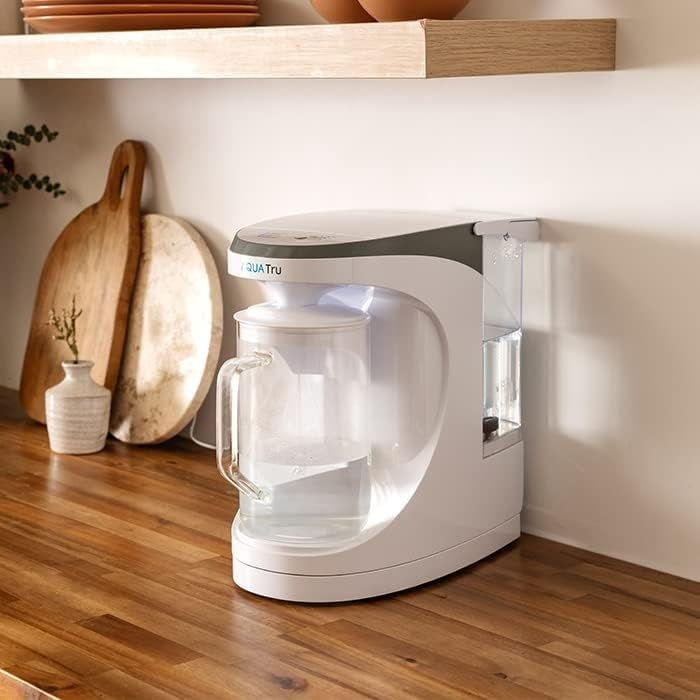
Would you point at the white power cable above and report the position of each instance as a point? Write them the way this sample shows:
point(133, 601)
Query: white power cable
point(194, 439)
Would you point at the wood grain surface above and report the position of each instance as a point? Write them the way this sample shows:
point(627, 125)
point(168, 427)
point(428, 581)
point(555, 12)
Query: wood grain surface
point(507, 47)
point(95, 258)
point(13, 688)
point(116, 583)
point(422, 49)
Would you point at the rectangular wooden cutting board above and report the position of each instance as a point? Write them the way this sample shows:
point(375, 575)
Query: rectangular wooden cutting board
point(95, 258)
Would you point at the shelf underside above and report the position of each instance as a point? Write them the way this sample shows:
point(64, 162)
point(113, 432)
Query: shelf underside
point(423, 49)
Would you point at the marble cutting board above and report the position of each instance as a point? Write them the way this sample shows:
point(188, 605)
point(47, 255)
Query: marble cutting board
point(173, 336)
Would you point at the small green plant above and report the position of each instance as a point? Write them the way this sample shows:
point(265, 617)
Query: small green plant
point(65, 327)
point(10, 180)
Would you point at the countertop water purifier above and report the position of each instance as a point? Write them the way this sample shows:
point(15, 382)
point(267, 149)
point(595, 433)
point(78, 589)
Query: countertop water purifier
point(371, 420)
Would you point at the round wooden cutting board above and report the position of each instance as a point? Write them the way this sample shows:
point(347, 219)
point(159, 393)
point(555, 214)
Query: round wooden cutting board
point(173, 336)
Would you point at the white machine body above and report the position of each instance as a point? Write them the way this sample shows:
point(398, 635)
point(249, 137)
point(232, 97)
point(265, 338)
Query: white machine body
point(442, 498)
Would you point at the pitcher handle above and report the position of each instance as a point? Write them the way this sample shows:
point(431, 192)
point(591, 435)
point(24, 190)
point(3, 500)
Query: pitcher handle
point(227, 398)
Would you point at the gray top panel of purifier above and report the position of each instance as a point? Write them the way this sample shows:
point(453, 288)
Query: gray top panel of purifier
point(332, 227)
point(364, 233)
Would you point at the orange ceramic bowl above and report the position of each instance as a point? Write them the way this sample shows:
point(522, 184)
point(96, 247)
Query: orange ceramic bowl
point(398, 10)
point(341, 11)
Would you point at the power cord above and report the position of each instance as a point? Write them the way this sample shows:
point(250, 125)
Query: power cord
point(194, 439)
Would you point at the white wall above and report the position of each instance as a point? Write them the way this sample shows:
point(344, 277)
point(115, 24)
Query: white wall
point(608, 161)
point(10, 18)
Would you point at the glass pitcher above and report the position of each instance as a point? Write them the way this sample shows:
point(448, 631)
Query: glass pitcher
point(292, 423)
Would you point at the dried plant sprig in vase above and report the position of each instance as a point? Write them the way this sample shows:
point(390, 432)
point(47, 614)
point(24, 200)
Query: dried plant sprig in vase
point(65, 327)
point(77, 408)
point(12, 181)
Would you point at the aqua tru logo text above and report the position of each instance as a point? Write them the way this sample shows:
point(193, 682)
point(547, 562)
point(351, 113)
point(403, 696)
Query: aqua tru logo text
point(262, 268)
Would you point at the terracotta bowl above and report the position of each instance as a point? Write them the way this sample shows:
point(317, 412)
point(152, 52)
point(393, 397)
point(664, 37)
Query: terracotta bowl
point(341, 11)
point(398, 10)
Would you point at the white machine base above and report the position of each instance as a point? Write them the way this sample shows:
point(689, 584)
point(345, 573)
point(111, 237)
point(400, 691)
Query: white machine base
point(368, 584)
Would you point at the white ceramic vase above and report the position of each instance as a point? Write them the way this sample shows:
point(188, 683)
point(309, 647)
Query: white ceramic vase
point(77, 411)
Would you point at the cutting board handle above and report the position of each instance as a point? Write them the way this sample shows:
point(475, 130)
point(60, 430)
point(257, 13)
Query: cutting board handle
point(125, 178)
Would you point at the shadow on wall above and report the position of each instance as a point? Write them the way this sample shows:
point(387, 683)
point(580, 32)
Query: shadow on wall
point(80, 155)
point(80, 159)
point(288, 12)
point(611, 380)
point(238, 294)
point(10, 18)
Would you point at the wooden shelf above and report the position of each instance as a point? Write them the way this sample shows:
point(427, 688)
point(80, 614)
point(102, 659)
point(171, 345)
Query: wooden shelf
point(423, 49)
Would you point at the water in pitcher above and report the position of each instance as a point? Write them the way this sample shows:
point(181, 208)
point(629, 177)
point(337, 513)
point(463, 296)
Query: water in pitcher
point(502, 376)
point(319, 493)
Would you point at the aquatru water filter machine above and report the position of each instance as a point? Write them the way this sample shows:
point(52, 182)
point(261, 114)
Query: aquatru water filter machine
point(371, 420)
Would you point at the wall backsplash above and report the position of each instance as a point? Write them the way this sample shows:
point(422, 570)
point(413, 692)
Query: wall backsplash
point(10, 18)
point(608, 161)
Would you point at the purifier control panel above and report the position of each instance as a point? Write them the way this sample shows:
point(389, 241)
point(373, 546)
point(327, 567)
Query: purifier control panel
point(292, 238)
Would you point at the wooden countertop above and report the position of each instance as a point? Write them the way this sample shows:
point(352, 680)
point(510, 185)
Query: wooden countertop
point(115, 582)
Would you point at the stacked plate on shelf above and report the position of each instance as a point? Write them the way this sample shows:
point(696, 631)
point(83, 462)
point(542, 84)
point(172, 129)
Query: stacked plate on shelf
point(48, 16)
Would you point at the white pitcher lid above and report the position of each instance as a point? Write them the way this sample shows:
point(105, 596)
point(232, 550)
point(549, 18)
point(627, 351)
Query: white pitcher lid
point(310, 318)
